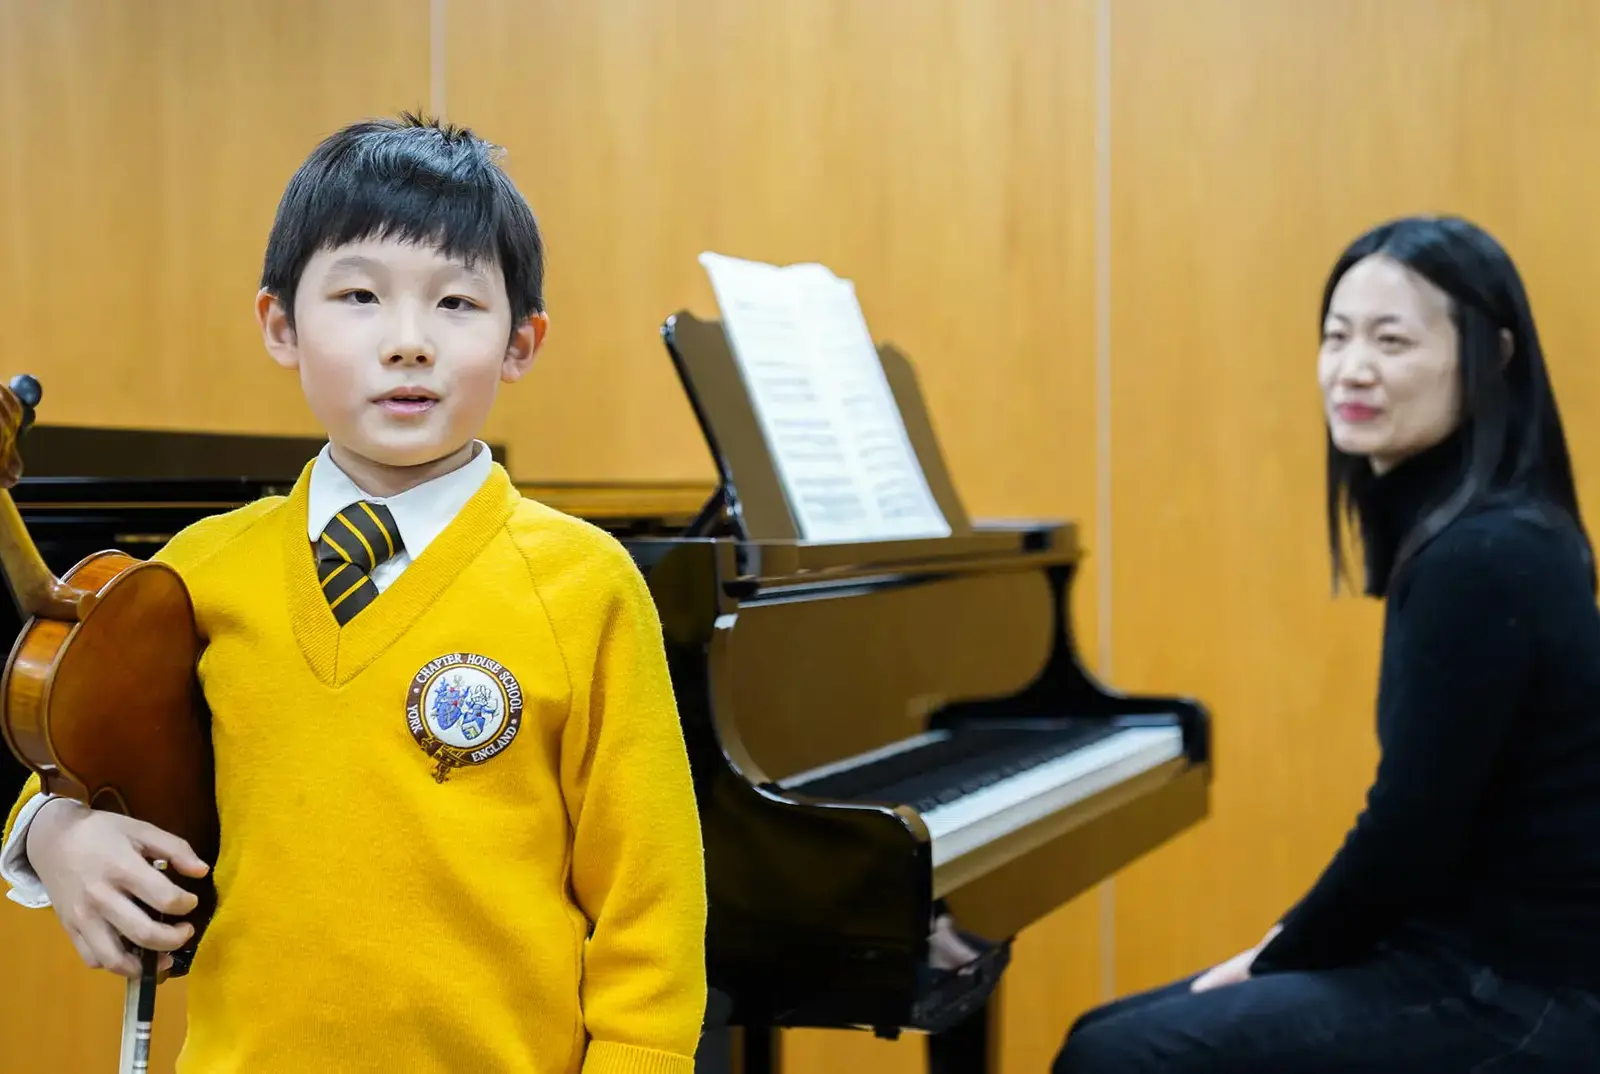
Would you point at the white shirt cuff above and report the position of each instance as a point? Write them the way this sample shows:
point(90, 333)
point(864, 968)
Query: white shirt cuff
point(14, 867)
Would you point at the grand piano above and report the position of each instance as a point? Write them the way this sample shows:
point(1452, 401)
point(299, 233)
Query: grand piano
point(882, 733)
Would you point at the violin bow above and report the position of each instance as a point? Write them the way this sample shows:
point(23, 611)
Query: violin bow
point(139, 1009)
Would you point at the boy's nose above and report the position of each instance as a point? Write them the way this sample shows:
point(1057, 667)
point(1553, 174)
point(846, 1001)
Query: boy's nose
point(419, 354)
point(407, 342)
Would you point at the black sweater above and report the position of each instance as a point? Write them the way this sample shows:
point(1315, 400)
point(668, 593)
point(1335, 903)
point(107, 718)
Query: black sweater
point(1483, 823)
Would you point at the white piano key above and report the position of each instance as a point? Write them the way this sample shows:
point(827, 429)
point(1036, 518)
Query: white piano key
point(996, 811)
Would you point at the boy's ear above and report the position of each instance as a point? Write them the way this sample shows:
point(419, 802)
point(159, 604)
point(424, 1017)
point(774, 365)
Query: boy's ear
point(275, 330)
point(525, 343)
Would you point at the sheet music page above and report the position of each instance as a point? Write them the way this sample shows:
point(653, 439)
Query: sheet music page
point(823, 402)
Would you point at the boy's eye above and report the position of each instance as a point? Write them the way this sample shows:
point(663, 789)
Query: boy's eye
point(359, 295)
point(457, 302)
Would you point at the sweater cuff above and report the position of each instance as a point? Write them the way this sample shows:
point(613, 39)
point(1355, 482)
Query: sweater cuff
point(609, 1057)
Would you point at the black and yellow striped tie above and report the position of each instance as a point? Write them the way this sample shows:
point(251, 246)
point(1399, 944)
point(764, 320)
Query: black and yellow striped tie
point(359, 538)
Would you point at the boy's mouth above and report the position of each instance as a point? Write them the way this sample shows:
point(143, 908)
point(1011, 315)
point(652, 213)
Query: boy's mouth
point(408, 401)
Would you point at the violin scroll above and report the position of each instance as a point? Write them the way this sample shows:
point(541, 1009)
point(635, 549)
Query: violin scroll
point(17, 401)
point(26, 388)
point(36, 590)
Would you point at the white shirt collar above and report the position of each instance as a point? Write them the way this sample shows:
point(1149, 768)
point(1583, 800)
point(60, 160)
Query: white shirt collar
point(420, 513)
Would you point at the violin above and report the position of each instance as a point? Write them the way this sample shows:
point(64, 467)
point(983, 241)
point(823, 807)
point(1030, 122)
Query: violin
point(101, 699)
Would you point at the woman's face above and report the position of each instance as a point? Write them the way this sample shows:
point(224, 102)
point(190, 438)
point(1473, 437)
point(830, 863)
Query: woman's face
point(1388, 364)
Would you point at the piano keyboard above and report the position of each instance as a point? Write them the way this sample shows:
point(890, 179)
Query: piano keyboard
point(977, 786)
point(939, 767)
point(1011, 804)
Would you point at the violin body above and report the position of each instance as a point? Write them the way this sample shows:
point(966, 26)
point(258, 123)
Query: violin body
point(107, 709)
point(101, 699)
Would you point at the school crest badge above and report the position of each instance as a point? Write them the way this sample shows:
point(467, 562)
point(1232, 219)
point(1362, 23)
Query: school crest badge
point(463, 709)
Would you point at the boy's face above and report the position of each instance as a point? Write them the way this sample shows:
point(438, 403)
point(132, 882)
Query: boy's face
point(400, 349)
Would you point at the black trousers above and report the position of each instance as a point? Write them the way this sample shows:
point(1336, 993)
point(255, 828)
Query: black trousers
point(1412, 1008)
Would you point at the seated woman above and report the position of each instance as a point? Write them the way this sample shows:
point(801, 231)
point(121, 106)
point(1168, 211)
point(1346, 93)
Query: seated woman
point(1458, 927)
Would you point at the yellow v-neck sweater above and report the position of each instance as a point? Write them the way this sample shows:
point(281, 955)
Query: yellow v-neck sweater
point(541, 909)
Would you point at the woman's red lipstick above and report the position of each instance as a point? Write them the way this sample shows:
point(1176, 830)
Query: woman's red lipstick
point(1357, 412)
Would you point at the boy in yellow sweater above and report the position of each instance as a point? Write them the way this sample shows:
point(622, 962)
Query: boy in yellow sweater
point(459, 832)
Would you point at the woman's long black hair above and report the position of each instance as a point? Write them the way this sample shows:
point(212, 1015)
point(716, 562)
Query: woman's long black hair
point(1511, 436)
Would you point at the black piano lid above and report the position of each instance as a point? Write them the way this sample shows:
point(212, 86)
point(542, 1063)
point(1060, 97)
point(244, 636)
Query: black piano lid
point(83, 475)
point(96, 454)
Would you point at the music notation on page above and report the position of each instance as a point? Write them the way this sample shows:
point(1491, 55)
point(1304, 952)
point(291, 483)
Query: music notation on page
point(823, 402)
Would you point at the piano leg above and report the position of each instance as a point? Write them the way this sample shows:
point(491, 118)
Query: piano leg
point(722, 1047)
point(761, 1052)
point(965, 1048)
point(968, 1047)
point(738, 1050)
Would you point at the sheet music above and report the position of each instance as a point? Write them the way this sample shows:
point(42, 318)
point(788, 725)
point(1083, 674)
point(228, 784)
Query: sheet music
point(823, 401)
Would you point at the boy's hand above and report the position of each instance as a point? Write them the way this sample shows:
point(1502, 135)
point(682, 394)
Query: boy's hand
point(95, 864)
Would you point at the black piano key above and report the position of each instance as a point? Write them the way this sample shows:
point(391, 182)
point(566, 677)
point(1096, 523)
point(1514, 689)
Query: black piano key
point(965, 762)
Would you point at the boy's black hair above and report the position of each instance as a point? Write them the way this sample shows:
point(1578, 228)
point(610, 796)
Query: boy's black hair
point(1512, 443)
point(411, 178)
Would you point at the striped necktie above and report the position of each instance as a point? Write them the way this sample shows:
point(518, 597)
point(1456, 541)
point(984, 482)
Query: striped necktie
point(359, 538)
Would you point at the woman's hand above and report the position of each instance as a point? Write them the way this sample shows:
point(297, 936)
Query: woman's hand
point(1236, 969)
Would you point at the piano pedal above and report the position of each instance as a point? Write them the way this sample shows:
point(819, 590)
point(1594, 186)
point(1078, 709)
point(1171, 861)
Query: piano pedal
point(948, 997)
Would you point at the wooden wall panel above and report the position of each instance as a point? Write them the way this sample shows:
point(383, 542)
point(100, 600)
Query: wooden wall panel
point(939, 154)
point(1252, 140)
point(143, 148)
